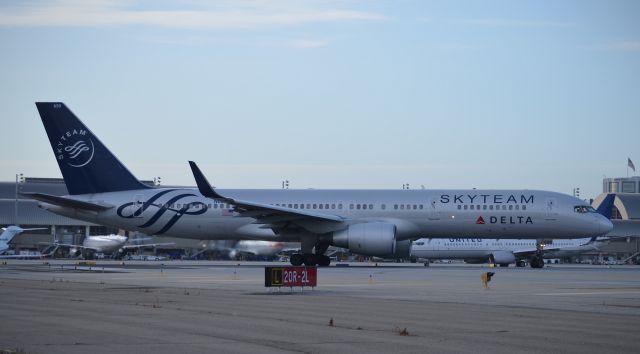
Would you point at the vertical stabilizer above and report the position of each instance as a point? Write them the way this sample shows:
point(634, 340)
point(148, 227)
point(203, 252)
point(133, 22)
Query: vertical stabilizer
point(87, 166)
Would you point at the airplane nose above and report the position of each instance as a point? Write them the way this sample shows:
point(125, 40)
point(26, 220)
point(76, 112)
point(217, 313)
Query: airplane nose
point(605, 225)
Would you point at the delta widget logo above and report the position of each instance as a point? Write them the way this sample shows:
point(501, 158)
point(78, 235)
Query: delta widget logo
point(75, 148)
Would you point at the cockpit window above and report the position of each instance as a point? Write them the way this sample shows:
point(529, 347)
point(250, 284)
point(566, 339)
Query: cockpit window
point(584, 209)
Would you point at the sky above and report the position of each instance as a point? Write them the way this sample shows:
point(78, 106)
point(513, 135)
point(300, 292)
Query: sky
point(332, 94)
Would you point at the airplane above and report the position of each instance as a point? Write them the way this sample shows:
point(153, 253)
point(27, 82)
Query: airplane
point(506, 251)
point(378, 223)
point(501, 251)
point(7, 235)
point(115, 245)
point(258, 248)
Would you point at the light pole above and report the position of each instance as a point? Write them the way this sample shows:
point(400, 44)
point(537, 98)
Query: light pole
point(19, 179)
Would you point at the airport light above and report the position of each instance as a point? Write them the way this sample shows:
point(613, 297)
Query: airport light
point(157, 180)
point(285, 184)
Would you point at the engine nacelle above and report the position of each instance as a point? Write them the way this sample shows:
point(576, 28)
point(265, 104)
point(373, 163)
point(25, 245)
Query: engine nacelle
point(371, 239)
point(503, 257)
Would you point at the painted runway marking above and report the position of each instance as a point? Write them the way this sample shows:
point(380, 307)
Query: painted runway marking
point(593, 293)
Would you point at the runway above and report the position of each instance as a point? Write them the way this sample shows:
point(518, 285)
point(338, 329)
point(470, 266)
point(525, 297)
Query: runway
point(204, 307)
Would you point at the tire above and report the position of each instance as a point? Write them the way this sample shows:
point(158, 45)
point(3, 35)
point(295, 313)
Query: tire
point(324, 261)
point(296, 259)
point(310, 259)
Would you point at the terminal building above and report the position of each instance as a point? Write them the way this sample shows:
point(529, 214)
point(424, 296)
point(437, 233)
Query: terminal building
point(18, 210)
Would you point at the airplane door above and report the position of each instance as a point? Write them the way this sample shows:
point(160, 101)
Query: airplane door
point(138, 204)
point(433, 212)
point(552, 212)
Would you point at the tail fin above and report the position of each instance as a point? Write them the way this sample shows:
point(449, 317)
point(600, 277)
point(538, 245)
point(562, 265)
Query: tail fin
point(9, 232)
point(605, 208)
point(87, 166)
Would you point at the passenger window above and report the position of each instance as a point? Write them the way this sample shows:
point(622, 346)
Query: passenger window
point(333, 206)
point(358, 206)
point(383, 207)
point(320, 206)
point(326, 206)
point(395, 206)
point(517, 207)
point(484, 207)
point(459, 206)
point(421, 206)
point(465, 207)
point(308, 206)
point(315, 206)
point(351, 206)
point(471, 207)
point(491, 207)
point(295, 206)
point(524, 207)
point(301, 206)
point(340, 206)
point(415, 207)
point(401, 206)
point(510, 207)
point(504, 207)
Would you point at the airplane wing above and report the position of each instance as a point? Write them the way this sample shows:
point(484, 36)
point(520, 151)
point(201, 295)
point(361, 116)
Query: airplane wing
point(67, 202)
point(263, 213)
point(67, 245)
point(128, 247)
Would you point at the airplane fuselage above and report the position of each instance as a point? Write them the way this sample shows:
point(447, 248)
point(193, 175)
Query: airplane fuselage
point(184, 212)
point(482, 249)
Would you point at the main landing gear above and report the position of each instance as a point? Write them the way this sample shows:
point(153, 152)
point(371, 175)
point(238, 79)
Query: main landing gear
point(537, 261)
point(310, 259)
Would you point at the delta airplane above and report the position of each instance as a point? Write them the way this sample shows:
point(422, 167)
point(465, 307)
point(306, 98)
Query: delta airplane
point(501, 251)
point(370, 222)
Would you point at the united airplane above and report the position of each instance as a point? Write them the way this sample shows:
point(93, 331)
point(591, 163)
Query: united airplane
point(502, 251)
point(370, 222)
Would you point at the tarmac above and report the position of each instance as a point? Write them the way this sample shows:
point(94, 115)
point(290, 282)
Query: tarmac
point(223, 307)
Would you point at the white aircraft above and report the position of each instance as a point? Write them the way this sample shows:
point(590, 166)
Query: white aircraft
point(234, 248)
point(8, 233)
point(261, 248)
point(501, 251)
point(115, 245)
point(370, 222)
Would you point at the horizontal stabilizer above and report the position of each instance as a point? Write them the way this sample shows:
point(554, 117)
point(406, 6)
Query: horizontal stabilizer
point(67, 202)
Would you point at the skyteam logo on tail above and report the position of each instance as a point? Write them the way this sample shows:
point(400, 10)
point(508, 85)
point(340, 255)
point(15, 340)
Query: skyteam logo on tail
point(75, 147)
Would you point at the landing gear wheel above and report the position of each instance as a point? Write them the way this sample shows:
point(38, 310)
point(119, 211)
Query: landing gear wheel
point(310, 259)
point(296, 259)
point(521, 263)
point(537, 262)
point(323, 261)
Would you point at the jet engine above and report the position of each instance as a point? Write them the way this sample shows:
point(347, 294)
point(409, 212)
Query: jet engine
point(503, 257)
point(372, 239)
